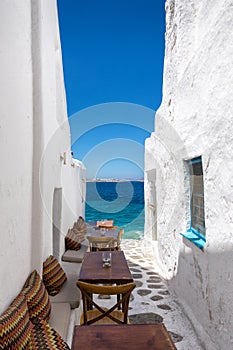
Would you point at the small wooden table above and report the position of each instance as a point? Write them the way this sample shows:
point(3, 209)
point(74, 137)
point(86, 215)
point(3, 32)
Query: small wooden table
point(92, 270)
point(94, 232)
point(122, 337)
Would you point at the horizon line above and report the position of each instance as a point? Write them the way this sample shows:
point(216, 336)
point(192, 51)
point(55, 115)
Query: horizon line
point(114, 179)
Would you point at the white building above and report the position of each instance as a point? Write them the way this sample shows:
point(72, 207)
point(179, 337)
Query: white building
point(194, 127)
point(41, 187)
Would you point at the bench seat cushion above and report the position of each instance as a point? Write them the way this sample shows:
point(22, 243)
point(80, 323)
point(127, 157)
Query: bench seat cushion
point(75, 255)
point(69, 292)
point(45, 337)
point(60, 318)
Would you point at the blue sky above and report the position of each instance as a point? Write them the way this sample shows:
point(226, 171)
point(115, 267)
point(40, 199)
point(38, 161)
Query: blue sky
point(113, 53)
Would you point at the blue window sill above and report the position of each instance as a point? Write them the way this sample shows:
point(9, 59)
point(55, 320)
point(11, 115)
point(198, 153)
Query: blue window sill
point(198, 239)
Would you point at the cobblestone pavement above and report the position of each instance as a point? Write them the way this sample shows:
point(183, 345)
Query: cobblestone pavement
point(151, 300)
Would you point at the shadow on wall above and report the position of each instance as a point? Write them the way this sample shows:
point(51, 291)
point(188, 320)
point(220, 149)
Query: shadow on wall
point(57, 212)
point(204, 286)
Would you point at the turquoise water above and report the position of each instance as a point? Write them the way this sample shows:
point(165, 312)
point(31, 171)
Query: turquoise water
point(121, 201)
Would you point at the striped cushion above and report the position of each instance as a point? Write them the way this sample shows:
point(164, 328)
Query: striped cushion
point(80, 225)
point(37, 298)
point(45, 337)
point(72, 241)
point(15, 326)
point(80, 235)
point(53, 275)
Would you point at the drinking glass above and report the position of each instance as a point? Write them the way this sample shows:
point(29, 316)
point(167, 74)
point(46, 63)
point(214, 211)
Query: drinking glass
point(106, 258)
point(102, 231)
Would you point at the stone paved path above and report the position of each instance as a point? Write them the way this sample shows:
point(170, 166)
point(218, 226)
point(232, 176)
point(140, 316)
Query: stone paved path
point(151, 300)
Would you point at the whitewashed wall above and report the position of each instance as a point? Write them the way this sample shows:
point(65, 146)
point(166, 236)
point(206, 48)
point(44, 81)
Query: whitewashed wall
point(53, 173)
point(150, 227)
point(16, 140)
point(34, 133)
point(195, 118)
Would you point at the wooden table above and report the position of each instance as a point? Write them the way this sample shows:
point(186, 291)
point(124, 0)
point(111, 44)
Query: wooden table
point(97, 232)
point(122, 337)
point(92, 270)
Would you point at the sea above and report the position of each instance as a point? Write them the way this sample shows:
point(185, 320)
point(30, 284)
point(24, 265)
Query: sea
point(121, 201)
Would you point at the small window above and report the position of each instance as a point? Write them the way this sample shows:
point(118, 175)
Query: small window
point(196, 232)
point(197, 195)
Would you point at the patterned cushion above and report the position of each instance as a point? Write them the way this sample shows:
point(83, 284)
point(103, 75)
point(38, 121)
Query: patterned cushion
point(72, 241)
point(80, 226)
point(37, 298)
point(80, 235)
point(15, 326)
point(53, 275)
point(45, 337)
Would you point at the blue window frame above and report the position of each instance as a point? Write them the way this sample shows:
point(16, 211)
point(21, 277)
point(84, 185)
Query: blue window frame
point(197, 231)
point(197, 195)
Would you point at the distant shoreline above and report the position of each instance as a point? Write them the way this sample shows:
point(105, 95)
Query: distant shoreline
point(114, 180)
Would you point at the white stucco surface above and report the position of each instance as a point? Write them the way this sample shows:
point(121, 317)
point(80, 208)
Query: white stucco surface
point(16, 139)
point(41, 197)
point(195, 119)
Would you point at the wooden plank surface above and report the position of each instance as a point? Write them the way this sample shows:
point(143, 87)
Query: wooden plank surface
point(122, 337)
point(92, 270)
